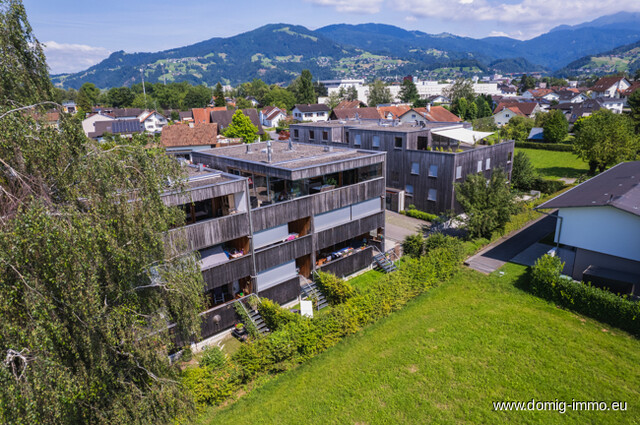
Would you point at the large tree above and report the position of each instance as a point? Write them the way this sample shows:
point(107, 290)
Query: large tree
point(87, 283)
point(379, 94)
point(408, 91)
point(634, 104)
point(556, 127)
point(88, 96)
point(459, 89)
point(305, 92)
point(487, 205)
point(523, 175)
point(218, 95)
point(241, 126)
point(605, 139)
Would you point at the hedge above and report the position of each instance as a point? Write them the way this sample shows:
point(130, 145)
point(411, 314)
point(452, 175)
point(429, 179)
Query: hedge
point(421, 215)
point(602, 305)
point(295, 340)
point(561, 147)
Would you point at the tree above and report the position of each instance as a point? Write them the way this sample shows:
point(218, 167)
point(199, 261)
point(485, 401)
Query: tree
point(320, 89)
point(461, 108)
point(634, 103)
point(87, 284)
point(556, 128)
point(484, 110)
point(527, 82)
point(351, 93)
point(24, 77)
point(518, 129)
point(413, 245)
point(605, 139)
point(88, 96)
point(242, 103)
point(333, 100)
point(408, 91)
point(523, 175)
point(218, 95)
point(461, 88)
point(197, 97)
point(282, 98)
point(487, 205)
point(379, 94)
point(120, 97)
point(241, 126)
point(304, 88)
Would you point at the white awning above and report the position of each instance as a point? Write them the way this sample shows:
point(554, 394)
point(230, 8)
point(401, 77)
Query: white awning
point(463, 135)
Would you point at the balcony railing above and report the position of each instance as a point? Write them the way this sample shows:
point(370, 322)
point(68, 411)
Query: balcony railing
point(227, 272)
point(283, 252)
point(211, 232)
point(350, 264)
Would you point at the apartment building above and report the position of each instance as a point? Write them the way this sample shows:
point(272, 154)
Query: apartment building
point(424, 160)
point(265, 216)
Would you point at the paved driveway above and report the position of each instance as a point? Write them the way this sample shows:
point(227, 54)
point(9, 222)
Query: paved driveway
point(398, 227)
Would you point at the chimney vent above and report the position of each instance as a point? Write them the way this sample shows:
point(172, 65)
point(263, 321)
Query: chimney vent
point(269, 151)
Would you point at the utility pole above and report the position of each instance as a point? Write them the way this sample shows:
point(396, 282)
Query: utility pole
point(144, 90)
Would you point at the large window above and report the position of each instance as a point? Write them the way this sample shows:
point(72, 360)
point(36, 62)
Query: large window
point(433, 170)
point(409, 189)
point(325, 135)
point(479, 169)
point(415, 168)
point(376, 142)
point(433, 195)
point(487, 164)
point(357, 141)
point(312, 135)
point(295, 133)
point(458, 172)
point(398, 143)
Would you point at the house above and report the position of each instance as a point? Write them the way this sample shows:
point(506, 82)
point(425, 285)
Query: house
point(182, 139)
point(539, 94)
point(271, 116)
point(599, 220)
point(253, 100)
point(311, 112)
point(612, 87)
point(186, 116)
point(203, 115)
point(274, 214)
point(439, 100)
point(123, 128)
point(570, 96)
point(88, 124)
point(223, 118)
point(70, 107)
point(536, 135)
point(424, 162)
point(152, 121)
point(429, 114)
point(368, 113)
point(392, 112)
point(506, 110)
point(350, 104)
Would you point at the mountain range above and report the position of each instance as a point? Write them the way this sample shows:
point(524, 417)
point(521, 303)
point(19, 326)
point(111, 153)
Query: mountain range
point(277, 53)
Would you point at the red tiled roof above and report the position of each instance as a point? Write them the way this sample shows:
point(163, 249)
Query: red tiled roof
point(605, 83)
point(395, 110)
point(437, 114)
point(520, 108)
point(348, 104)
point(369, 113)
point(184, 135)
point(634, 86)
point(537, 93)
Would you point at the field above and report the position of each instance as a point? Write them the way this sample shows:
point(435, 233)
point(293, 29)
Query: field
point(556, 165)
point(448, 355)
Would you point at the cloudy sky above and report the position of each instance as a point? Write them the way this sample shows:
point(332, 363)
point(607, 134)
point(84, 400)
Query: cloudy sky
point(80, 33)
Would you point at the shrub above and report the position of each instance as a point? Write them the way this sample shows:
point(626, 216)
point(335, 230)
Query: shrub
point(420, 215)
point(335, 289)
point(440, 240)
point(211, 386)
point(275, 316)
point(602, 305)
point(547, 186)
point(559, 147)
point(413, 245)
point(523, 175)
point(213, 358)
point(186, 355)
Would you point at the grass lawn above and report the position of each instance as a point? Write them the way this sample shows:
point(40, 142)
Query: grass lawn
point(554, 164)
point(447, 355)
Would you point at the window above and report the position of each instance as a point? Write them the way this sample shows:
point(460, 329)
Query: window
point(509, 157)
point(398, 144)
point(433, 195)
point(433, 170)
point(346, 137)
point(487, 164)
point(357, 140)
point(376, 141)
point(308, 114)
point(312, 134)
point(325, 135)
point(415, 168)
point(409, 189)
point(507, 115)
point(459, 172)
point(479, 166)
point(295, 133)
point(332, 218)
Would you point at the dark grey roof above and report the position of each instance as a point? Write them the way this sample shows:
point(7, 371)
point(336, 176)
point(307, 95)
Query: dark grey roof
point(618, 187)
point(186, 115)
point(116, 127)
point(313, 107)
point(223, 119)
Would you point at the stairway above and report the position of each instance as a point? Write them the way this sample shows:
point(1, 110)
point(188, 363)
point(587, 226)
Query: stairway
point(310, 291)
point(383, 262)
point(258, 321)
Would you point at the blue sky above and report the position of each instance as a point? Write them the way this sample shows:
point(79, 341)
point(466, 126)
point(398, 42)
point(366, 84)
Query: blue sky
point(80, 33)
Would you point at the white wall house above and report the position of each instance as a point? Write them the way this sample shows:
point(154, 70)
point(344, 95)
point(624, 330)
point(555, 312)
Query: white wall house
point(610, 87)
point(88, 123)
point(311, 112)
point(271, 116)
point(152, 121)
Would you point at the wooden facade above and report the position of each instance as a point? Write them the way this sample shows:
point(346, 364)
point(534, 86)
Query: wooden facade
point(227, 272)
point(349, 230)
point(211, 232)
point(283, 252)
point(283, 292)
point(349, 264)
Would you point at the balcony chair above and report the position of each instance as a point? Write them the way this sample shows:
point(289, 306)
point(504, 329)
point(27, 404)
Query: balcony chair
point(218, 296)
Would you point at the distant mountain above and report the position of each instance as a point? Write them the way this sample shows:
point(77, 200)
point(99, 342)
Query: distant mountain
point(277, 53)
point(622, 59)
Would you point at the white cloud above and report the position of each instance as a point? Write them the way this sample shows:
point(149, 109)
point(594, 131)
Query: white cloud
point(351, 6)
point(63, 58)
point(498, 34)
point(531, 17)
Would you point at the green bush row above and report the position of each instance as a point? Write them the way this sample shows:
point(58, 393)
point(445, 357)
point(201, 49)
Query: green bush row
point(602, 305)
point(295, 339)
point(421, 215)
point(336, 290)
point(560, 147)
point(547, 186)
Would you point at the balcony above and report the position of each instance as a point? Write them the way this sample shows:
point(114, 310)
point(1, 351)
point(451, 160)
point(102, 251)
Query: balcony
point(223, 273)
point(211, 232)
point(283, 252)
point(349, 264)
point(349, 230)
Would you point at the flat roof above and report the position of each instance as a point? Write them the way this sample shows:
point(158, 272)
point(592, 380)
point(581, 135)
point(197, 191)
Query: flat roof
point(379, 125)
point(303, 154)
point(203, 176)
point(618, 187)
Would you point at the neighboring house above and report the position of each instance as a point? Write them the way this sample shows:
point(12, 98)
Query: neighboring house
point(613, 87)
point(584, 109)
point(88, 124)
point(600, 221)
point(505, 111)
point(423, 162)
point(186, 116)
point(368, 113)
point(124, 128)
point(570, 96)
point(439, 100)
point(350, 104)
point(311, 112)
point(271, 116)
point(70, 107)
point(203, 115)
point(615, 105)
point(223, 119)
point(183, 139)
point(253, 100)
point(153, 121)
point(275, 214)
point(429, 114)
point(118, 113)
point(538, 94)
point(392, 112)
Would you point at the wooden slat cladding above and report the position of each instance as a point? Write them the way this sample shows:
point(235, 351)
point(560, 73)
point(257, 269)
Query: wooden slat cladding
point(283, 292)
point(282, 213)
point(228, 317)
point(348, 195)
point(212, 232)
point(283, 252)
point(225, 273)
point(337, 166)
point(350, 230)
point(202, 193)
point(350, 264)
